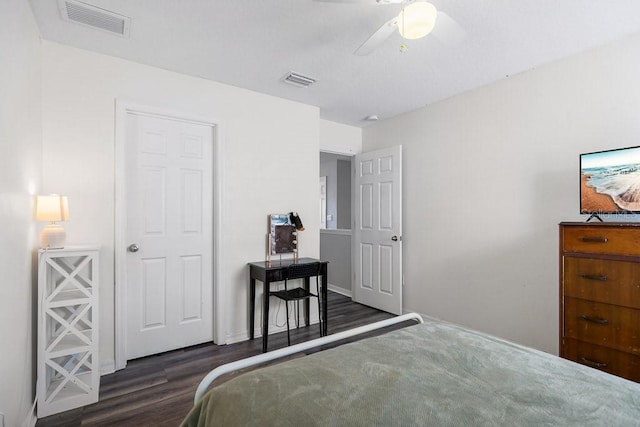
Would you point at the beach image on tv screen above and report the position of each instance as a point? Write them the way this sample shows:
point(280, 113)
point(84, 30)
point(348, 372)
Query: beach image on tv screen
point(610, 181)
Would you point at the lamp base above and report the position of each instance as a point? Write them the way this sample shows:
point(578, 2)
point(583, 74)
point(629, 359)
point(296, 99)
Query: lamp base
point(53, 236)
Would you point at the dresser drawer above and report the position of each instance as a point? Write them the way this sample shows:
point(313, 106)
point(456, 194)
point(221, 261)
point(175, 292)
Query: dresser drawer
point(605, 359)
point(275, 275)
point(603, 324)
point(601, 280)
point(601, 240)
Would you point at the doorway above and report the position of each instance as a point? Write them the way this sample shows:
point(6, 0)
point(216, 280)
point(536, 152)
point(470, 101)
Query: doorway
point(336, 171)
point(371, 248)
point(165, 232)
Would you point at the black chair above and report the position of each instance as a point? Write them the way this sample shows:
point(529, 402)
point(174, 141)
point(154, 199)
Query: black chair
point(297, 271)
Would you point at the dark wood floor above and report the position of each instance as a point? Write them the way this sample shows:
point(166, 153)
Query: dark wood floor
point(158, 390)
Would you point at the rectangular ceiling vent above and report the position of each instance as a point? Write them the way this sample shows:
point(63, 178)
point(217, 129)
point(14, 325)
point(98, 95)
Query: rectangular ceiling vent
point(92, 16)
point(298, 79)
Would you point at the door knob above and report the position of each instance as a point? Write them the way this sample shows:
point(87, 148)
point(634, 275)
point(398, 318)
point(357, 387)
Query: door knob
point(133, 247)
point(394, 238)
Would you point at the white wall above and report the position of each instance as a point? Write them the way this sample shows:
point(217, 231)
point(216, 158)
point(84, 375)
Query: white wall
point(257, 135)
point(20, 170)
point(339, 138)
point(488, 176)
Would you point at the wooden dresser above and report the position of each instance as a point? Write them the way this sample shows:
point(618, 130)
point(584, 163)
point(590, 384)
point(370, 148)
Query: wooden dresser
point(600, 296)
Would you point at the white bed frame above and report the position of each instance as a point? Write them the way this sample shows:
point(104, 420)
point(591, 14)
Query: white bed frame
point(297, 348)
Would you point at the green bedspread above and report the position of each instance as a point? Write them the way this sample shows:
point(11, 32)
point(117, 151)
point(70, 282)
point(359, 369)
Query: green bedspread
point(433, 374)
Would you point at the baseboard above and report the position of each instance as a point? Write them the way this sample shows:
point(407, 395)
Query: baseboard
point(257, 332)
point(424, 316)
point(108, 367)
point(339, 290)
point(31, 419)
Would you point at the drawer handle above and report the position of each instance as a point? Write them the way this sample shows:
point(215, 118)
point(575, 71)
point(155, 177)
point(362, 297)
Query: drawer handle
point(597, 320)
point(594, 277)
point(592, 363)
point(595, 239)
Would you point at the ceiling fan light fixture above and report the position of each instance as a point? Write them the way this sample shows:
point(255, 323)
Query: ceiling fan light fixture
point(417, 20)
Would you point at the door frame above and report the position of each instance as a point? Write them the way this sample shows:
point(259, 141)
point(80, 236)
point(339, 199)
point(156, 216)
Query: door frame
point(354, 252)
point(122, 109)
point(352, 220)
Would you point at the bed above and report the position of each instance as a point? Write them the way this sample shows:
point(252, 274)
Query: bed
point(430, 374)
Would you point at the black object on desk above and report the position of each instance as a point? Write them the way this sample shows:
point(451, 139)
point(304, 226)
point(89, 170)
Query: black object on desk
point(275, 271)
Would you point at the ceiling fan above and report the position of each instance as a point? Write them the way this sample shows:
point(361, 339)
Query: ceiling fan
point(415, 20)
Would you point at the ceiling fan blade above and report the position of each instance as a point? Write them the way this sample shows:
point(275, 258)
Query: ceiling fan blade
point(377, 38)
point(363, 1)
point(448, 31)
point(348, 1)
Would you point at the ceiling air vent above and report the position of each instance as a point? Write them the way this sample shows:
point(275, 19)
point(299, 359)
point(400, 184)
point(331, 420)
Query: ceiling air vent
point(92, 16)
point(298, 79)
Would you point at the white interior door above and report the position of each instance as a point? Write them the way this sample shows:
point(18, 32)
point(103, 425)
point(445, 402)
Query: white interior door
point(169, 199)
point(377, 239)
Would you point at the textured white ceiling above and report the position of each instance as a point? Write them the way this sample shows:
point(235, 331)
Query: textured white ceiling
point(254, 43)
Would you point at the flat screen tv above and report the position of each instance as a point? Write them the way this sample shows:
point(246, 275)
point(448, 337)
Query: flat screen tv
point(610, 181)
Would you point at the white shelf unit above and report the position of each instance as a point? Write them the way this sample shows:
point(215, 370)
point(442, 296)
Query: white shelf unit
point(68, 368)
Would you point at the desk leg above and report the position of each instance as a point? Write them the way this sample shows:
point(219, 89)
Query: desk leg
point(252, 307)
point(265, 315)
point(306, 302)
point(324, 300)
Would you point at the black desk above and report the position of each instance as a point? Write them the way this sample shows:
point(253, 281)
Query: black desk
point(274, 271)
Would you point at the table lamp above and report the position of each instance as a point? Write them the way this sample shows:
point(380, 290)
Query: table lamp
point(52, 208)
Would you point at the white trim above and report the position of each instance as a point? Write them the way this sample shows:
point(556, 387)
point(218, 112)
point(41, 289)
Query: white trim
point(120, 358)
point(107, 367)
point(220, 296)
point(336, 231)
point(344, 152)
point(287, 351)
point(122, 108)
point(340, 290)
point(31, 419)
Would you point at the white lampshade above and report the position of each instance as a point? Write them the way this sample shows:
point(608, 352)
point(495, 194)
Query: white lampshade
point(52, 208)
point(417, 20)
